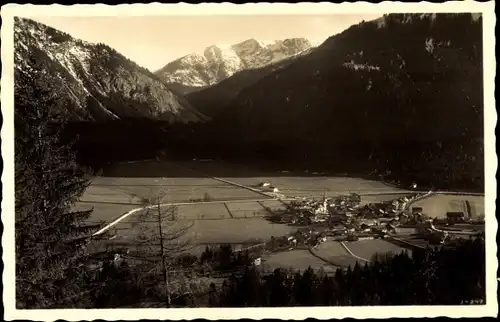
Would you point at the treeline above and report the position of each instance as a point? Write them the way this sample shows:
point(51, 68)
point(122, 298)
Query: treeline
point(440, 276)
point(430, 277)
point(441, 164)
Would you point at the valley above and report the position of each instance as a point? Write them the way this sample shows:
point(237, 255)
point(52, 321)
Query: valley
point(340, 168)
point(233, 210)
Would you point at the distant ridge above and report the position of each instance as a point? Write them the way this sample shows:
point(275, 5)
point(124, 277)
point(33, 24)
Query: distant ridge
point(218, 62)
point(99, 83)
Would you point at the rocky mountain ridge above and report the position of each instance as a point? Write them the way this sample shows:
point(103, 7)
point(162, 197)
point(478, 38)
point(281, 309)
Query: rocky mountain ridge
point(98, 82)
point(218, 62)
point(213, 99)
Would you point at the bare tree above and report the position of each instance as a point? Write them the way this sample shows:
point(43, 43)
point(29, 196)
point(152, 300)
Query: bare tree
point(161, 238)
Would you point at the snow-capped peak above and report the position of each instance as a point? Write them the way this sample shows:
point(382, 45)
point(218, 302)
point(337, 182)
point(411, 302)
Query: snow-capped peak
point(218, 62)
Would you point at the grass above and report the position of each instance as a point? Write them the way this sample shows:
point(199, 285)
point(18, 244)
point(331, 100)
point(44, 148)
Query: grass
point(316, 186)
point(127, 184)
point(273, 204)
point(297, 259)
point(334, 252)
point(246, 209)
point(203, 211)
point(237, 231)
point(108, 194)
point(175, 189)
point(439, 205)
point(381, 198)
point(103, 212)
point(214, 231)
point(368, 248)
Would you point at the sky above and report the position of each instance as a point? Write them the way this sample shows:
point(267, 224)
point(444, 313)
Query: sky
point(154, 41)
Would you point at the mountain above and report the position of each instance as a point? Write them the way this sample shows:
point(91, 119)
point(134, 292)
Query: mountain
point(402, 93)
point(213, 99)
point(97, 82)
point(218, 62)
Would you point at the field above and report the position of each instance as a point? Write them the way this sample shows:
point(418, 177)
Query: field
point(203, 211)
point(367, 248)
point(298, 259)
point(219, 212)
point(122, 189)
point(439, 205)
point(212, 224)
point(334, 253)
point(316, 186)
point(103, 212)
point(381, 198)
point(246, 209)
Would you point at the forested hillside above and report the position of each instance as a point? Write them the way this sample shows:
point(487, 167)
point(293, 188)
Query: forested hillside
point(402, 94)
point(98, 82)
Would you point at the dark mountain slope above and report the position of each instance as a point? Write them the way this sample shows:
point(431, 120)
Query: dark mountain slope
point(98, 82)
point(212, 100)
point(402, 93)
point(401, 74)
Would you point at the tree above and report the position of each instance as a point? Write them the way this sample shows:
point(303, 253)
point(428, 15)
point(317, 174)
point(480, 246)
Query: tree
point(279, 290)
point(212, 296)
point(162, 239)
point(119, 286)
point(50, 238)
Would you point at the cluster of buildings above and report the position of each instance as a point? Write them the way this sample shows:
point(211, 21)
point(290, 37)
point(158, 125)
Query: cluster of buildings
point(344, 218)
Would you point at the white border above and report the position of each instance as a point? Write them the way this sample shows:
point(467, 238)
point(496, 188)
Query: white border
point(10, 10)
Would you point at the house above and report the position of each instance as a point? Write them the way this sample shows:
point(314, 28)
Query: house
point(455, 216)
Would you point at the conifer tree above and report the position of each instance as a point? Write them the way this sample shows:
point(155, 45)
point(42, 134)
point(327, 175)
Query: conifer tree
point(162, 239)
point(50, 238)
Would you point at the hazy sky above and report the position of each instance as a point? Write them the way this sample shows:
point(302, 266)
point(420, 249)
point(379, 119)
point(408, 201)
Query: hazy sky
point(153, 41)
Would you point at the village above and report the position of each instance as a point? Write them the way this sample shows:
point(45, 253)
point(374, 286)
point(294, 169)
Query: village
point(346, 219)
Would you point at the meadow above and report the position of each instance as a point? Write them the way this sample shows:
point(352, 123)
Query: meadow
point(367, 248)
point(233, 214)
point(171, 189)
point(317, 186)
point(367, 199)
point(297, 259)
point(439, 205)
point(334, 253)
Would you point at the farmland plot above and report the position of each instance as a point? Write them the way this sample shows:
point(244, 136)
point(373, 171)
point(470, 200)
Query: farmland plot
point(382, 198)
point(103, 212)
point(246, 209)
point(298, 259)
point(175, 189)
point(108, 194)
point(317, 186)
point(203, 211)
point(216, 231)
point(273, 205)
point(237, 230)
point(367, 248)
point(439, 205)
point(334, 252)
